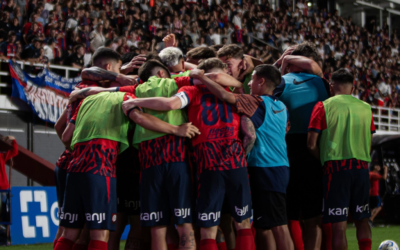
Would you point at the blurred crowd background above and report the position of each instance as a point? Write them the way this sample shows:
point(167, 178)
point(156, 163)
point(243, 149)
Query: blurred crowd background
point(66, 32)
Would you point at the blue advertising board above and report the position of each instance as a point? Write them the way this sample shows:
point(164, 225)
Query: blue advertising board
point(34, 215)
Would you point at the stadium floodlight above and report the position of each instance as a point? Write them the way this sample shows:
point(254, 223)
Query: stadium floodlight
point(375, 6)
point(309, 4)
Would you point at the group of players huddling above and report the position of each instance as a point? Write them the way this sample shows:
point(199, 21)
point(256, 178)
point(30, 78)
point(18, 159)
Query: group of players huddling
point(185, 151)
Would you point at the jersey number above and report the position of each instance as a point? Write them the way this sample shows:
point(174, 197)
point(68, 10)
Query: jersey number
point(225, 111)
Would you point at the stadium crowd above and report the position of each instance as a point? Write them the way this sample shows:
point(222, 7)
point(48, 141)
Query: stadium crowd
point(68, 32)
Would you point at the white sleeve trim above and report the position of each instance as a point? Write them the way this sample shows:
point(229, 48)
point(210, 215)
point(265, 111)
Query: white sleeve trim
point(184, 99)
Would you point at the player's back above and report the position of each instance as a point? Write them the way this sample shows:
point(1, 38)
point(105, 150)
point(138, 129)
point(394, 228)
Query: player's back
point(218, 146)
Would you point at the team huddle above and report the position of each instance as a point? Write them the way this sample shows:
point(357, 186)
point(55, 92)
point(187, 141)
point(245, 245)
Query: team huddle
point(187, 151)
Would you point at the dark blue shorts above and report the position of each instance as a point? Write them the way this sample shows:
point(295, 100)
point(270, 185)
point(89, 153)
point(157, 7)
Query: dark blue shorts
point(346, 191)
point(166, 192)
point(128, 193)
point(214, 186)
point(90, 199)
point(61, 179)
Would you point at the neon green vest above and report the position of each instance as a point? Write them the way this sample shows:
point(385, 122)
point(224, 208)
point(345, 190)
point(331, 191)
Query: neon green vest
point(348, 133)
point(186, 73)
point(101, 116)
point(158, 87)
point(245, 85)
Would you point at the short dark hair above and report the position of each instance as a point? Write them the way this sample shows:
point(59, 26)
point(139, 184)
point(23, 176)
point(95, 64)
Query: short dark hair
point(127, 57)
point(108, 42)
point(231, 51)
point(153, 56)
point(211, 63)
point(307, 49)
point(201, 53)
point(269, 72)
point(146, 70)
point(103, 55)
point(342, 76)
point(216, 47)
point(76, 47)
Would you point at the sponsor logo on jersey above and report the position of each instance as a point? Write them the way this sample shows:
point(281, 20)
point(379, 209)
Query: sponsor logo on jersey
point(99, 217)
point(242, 211)
point(338, 211)
point(216, 133)
point(132, 204)
point(210, 216)
point(182, 212)
point(277, 111)
point(157, 216)
point(71, 218)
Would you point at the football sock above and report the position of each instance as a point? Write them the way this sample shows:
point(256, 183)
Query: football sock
point(295, 231)
point(80, 247)
point(245, 240)
point(173, 246)
point(64, 244)
point(221, 246)
point(97, 245)
point(326, 236)
point(55, 243)
point(208, 244)
point(364, 244)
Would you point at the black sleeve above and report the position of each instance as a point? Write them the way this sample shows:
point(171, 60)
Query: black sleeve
point(281, 87)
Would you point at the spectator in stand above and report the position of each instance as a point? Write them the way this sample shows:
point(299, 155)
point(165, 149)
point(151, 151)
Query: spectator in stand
point(75, 60)
point(31, 52)
point(52, 52)
point(4, 157)
point(375, 203)
point(9, 47)
point(97, 38)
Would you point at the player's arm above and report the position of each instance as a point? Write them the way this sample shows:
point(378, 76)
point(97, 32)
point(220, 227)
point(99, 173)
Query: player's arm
point(135, 63)
point(307, 64)
point(153, 123)
point(312, 143)
point(216, 89)
point(247, 127)
point(154, 103)
point(14, 150)
point(190, 66)
point(67, 135)
point(224, 79)
point(99, 74)
point(385, 172)
point(83, 93)
point(61, 123)
point(317, 125)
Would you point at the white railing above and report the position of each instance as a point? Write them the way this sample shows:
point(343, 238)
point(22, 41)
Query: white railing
point(67, 69)
point(387, 120)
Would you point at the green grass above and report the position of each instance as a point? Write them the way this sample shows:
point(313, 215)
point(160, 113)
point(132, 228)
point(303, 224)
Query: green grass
point(379, 234)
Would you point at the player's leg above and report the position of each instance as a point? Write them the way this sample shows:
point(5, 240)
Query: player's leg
point(100, 208)
point(115, 236)
point(211, 192)
point(375, 206)
point(282, 237)
point(83, 241)
point(359, 206)
point(239, 198)
point(311, 199)
point(158, 235)
point(339, 240)
point(155, 211)
point(336, 202)
point(72, 213)
point(220, 240)
point(226, 226)
point(179, 184)
point(60, 179)
point(265, 239)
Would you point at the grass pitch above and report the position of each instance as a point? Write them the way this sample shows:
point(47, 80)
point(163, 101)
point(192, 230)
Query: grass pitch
point(379, 234)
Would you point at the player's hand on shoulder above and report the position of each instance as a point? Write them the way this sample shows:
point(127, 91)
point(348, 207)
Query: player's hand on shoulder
point(187, 130)
point(126, 80)
point(128, 104)
point(196, 73)
point(74, 95)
